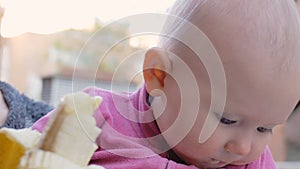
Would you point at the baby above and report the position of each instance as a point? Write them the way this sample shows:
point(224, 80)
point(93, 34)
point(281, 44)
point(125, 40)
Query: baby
point(211, 102)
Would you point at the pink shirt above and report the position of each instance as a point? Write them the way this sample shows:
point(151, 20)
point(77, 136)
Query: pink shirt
point(130, 138)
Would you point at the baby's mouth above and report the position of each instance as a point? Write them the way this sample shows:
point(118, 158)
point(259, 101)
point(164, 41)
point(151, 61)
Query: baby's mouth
point(217, 162)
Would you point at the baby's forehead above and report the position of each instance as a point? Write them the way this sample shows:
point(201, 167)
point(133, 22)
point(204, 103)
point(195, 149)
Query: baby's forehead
point(252, 30)
point(244, 31)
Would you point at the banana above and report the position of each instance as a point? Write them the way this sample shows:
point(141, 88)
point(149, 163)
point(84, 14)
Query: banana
point(14, 144)
point(72, 131)
point(26, 137)
point(68, 141)
point(40, 159)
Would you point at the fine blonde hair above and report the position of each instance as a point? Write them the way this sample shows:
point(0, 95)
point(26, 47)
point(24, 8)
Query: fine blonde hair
point(274, 22)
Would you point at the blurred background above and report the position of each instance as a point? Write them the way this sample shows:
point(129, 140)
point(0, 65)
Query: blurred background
point(48, 44)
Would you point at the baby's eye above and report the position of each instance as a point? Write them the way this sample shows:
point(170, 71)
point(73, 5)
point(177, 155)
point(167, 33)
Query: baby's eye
point(263, 130)
point(226, 121)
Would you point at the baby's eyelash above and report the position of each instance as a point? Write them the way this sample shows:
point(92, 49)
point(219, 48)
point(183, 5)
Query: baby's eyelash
point(263, 130)
point(227, 121)
point(224, 120)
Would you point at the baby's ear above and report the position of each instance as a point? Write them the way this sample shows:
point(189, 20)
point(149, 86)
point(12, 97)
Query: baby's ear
point(155, 68)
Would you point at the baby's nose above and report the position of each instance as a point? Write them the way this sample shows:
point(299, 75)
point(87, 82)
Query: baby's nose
point(240, 147)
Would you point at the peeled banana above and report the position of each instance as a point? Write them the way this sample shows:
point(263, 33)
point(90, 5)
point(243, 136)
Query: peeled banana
point(68, 141)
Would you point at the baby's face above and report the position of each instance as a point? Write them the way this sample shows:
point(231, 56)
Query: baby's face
point(255, 104)
point(261, 93)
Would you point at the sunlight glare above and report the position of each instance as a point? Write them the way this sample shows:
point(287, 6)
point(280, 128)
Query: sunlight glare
point(48, 16)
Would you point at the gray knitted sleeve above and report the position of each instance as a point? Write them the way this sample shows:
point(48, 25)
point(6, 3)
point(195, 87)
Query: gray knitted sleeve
point(23, 111)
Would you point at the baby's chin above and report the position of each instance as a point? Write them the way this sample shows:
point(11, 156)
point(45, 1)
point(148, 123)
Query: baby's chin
point(238, 163)
point(210, 166)
point(215, 165)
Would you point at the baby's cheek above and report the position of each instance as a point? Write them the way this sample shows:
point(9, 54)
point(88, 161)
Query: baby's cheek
point(256, 152)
